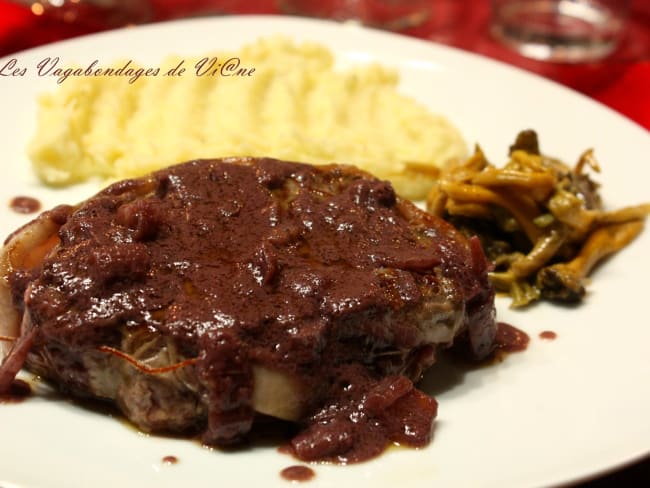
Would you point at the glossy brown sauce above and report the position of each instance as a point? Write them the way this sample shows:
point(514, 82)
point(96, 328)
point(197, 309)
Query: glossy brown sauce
point(333, 262)
point(170, 460)
point(297, 473)
point(548, 335)
point(510, 338)
point(18, 392)
point(362, 424)
point(24, 205)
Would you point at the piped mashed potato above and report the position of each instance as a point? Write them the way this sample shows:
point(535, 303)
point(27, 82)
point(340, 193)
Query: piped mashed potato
point(294, 106)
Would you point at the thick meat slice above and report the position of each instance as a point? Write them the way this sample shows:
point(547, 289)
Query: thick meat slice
point(215, 289)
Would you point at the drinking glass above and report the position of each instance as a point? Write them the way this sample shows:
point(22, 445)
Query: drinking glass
point(386, 14)
point(569, 31)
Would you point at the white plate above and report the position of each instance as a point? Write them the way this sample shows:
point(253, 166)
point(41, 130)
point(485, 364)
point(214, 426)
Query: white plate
point(561, 411)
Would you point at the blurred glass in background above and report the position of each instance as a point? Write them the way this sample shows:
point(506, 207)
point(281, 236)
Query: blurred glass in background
point(386, 14)
point(569, 31)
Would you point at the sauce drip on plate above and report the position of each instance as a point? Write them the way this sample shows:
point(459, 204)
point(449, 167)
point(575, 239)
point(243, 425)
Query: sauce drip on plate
point(18, 392)
point(24, 205)
point(548, 335)
point(510, 338)
point(297, 473)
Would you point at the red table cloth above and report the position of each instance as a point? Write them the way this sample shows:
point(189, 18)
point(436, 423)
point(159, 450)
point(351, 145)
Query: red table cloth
point(621, 81)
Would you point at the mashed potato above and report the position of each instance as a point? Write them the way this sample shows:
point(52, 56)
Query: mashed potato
point(294, 106)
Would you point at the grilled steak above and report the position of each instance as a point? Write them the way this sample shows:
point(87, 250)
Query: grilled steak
point(210, 291)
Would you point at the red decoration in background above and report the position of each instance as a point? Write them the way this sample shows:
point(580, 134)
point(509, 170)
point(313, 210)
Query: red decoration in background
point(630, 94)
point(622, 81)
